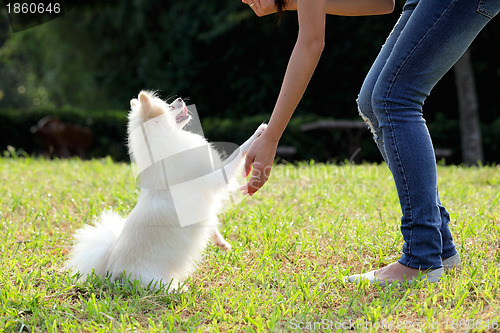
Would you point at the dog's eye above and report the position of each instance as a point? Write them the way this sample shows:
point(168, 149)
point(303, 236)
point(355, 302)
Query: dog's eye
point(171, 107)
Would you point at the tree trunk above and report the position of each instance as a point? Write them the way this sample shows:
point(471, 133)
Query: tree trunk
point(470, 131)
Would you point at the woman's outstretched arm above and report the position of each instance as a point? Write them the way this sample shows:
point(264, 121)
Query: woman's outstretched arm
point(303, 61)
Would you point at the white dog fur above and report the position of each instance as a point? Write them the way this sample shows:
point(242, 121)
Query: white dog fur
point(180, 177)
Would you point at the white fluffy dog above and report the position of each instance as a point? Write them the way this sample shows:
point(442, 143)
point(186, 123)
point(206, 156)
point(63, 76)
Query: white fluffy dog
point(183, 182)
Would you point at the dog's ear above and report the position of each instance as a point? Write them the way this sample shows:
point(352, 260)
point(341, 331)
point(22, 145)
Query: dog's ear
point(150, 109)
point(145, 102)
point(134, 103)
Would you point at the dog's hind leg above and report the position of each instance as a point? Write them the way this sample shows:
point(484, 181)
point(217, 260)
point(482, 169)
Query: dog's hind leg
point(219, 240)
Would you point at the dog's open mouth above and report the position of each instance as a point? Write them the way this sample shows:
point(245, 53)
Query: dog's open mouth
point(183, 115)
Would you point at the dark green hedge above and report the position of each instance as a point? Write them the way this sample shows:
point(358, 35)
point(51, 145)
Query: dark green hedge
point(108, 129)
point(109, 134)
point(317, 145)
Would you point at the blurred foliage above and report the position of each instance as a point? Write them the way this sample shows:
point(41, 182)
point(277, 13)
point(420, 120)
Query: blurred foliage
point(219, 54)
point(109, 133)
point(227, 61)
point(109, 129)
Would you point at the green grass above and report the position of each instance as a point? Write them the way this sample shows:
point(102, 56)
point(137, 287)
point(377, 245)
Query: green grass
point(293, 243)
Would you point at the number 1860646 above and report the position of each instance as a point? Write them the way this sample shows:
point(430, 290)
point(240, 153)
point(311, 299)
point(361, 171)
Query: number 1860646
point(33, 8)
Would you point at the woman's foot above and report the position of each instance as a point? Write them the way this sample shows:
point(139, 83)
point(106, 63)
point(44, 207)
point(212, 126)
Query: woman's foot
point(398, 273)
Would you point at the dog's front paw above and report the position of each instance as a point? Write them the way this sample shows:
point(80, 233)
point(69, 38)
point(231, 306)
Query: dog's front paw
point(261, 129)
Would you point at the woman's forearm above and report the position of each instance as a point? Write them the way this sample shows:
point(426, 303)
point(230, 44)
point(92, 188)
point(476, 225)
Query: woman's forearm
point(298, 74)
point(301, 66)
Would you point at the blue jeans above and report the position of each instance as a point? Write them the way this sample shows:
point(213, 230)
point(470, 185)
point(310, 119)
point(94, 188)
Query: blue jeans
point(426, 42)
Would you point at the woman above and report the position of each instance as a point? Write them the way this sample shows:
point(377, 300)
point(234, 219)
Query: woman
point(426, 42)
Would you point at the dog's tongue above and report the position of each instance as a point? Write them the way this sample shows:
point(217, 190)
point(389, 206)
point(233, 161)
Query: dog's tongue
point(182, 115)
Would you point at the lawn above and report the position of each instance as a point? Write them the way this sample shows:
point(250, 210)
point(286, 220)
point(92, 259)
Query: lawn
point(293, 242)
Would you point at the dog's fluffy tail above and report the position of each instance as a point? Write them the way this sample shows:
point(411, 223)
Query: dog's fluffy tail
point(92, 244)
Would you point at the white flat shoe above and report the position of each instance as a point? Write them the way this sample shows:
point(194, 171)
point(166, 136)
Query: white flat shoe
point(370, 276)
point(432, 276)
point(452, 262)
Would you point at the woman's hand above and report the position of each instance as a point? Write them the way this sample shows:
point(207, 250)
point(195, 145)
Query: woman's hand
point(261, 7)
point(259, 160)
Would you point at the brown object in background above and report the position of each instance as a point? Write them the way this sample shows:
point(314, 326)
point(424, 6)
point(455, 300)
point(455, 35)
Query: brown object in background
point(63, 139)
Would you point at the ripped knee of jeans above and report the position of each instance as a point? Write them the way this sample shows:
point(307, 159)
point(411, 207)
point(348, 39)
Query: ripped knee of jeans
point(366, 117)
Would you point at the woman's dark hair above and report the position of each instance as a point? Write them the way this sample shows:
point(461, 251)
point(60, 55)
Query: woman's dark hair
point(281, 6)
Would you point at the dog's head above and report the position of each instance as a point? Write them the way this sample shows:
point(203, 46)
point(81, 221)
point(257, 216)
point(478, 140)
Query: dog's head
point(148, 106)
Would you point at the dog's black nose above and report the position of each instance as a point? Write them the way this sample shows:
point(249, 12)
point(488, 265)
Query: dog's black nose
point(179, 100)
